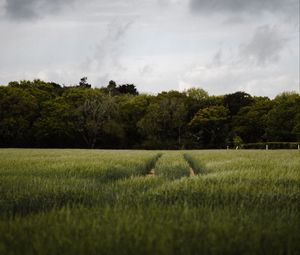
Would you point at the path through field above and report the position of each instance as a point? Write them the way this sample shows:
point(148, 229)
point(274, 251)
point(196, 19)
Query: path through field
point(102, 202)
point(172, 168)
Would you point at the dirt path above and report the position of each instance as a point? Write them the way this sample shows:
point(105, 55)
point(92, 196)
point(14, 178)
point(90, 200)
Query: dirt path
point(192, 172)
point(151, 173)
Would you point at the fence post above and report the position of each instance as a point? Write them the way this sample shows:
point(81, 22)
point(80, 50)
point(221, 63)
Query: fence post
point(267, 146)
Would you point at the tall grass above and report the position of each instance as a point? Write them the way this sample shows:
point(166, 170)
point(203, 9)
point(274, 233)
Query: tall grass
point(101, 202)
point(172, 166)
point(38, 180)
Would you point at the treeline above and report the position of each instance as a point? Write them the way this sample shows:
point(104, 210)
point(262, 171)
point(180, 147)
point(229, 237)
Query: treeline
point(45, 114)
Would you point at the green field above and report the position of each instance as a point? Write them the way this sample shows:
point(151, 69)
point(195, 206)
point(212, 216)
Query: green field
point(106, 202)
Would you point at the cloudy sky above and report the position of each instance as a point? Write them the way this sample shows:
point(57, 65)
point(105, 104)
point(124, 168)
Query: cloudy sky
point(221, 46)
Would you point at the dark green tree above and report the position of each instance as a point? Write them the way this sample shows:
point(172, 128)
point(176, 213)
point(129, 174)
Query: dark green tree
point(54, 127)
point(163, 124)
point(283, 118)
point(18, 111)
point(234, 102)
point(45, 114)
point(127, 89)
point(210, 126)
point(96, 117)
point(112, 88)
point(131, 110)
point(251, 121)
point(84, 84)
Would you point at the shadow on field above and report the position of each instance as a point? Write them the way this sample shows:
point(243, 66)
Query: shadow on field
point(38, 194)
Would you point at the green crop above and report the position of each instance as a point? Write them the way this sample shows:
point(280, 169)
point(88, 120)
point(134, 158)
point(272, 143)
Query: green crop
point(106, 202)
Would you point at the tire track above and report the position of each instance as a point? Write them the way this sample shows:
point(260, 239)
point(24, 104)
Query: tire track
point(172, 166)
point(194, 168)
point(151, 173)
point(151, 167)
point(192, 172)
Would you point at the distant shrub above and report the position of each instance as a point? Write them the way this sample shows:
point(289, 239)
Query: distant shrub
point(271, 145)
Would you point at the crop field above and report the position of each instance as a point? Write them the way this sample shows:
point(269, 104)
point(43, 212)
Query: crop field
point(149, 202)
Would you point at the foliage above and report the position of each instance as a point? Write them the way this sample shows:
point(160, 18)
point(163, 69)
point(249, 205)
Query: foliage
point(234, 102)
point(283, 118)
point(197, 94)
point(251, 121)
point(83, 83)
point(210, 125)
point(237, 141)
point(54, 126)
point(45, 114)
point(165, 119)
point(112, 89)
point(96, 113)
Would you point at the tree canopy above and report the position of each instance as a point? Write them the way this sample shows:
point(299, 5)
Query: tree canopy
point(46, 114)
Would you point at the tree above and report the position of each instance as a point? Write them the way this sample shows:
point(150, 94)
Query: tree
point(251, 121)
point(296, 129)
point(282, 119)
point(131, 110)
point(18, 111)
point(164, 121)
point(234, 102)
point(197, 94)
point(54, 127)
point(83, 83)
point(45, 114)
point(112, 88)
point(209, 126)
point(127, 89)
point(41, 90)
point(94, 115)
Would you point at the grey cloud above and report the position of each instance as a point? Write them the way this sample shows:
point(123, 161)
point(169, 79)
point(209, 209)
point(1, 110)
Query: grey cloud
point(117, 29)
point(265, 46)
point(19, 9)
point(110, 47)
point(217, 58)
point(250, 6)
point(32, 9)
point(108, 52)
point(146, 69)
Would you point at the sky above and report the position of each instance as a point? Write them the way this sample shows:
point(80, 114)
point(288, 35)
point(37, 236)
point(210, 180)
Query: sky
point(222, 46)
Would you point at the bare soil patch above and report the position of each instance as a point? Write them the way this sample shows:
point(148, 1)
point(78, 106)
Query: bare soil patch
point(151, 173)
point(192, 172)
